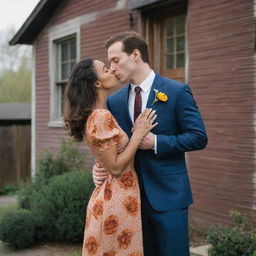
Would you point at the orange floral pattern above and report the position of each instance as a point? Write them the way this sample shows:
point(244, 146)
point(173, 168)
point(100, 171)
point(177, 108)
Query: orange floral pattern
point(127, 180)
point(110, 224)
point(124, 239)
point(91, 245)
point(113, 219)
point(110, 253)
point(97, 209)
point(107, 191)
point(132, 205)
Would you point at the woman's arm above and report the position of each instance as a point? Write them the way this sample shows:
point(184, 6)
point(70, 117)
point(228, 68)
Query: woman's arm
point(115, 163)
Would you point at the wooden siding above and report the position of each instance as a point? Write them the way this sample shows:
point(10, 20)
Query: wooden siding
point(15, 151)
point(221, 73)
point(74, 8)
point(93, 36)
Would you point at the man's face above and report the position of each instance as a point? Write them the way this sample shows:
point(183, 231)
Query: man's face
point(121, 64)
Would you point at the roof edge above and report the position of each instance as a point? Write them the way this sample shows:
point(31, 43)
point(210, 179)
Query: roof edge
point(28, 21)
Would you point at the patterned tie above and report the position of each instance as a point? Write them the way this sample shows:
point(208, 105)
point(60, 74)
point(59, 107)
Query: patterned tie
point(137, 102)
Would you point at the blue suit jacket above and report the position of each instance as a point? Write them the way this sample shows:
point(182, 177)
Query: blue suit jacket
point(180, 128)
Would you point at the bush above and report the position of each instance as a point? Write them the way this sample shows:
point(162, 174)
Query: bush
point(239, 240)
point(18, 228)
point(68, 159)
point(10, 190)
point(60, 206)
point(54, 203)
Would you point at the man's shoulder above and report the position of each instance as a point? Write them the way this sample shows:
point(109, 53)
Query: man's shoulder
point(118, 93)
point(172, 84)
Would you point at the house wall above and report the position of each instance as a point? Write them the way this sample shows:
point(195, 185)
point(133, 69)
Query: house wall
point(221, 39)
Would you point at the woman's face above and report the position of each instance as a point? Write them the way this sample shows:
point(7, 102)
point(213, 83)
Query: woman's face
point(106, 78)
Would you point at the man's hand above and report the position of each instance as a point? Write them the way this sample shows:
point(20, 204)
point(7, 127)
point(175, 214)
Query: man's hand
point(148, 142)
point(99, 174)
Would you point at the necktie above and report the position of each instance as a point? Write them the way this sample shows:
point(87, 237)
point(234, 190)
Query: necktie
point(137, 102)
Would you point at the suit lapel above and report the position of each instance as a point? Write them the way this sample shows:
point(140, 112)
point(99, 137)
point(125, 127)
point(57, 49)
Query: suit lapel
point(158, 84)
point(124, 106)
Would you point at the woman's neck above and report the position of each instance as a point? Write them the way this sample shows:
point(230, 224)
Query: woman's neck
point(102, 100)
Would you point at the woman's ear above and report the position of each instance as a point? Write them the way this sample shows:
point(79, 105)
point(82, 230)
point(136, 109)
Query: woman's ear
point(97, 84)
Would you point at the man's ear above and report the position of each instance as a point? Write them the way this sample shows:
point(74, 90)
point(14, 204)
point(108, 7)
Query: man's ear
point(136, 54)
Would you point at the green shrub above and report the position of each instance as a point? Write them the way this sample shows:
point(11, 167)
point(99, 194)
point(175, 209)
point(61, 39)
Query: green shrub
point(10, 190)
point(7, 208)
point(18, 228)
point(68, 159)
point(55, 201)
point(239, 240)
point(60, 206)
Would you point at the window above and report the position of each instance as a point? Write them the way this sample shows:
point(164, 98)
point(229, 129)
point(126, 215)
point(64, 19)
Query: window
point(174, 42)
point(65, 60)
point(165, 31)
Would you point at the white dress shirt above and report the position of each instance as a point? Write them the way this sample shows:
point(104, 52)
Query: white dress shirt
point(145, 90)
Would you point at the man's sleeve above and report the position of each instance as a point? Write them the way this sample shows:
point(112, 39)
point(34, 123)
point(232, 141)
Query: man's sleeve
point(192, 130)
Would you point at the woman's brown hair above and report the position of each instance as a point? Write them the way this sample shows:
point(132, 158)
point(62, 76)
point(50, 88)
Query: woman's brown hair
point(81, 97)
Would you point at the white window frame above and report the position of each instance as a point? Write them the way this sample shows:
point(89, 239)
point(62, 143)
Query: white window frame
point(56, 33)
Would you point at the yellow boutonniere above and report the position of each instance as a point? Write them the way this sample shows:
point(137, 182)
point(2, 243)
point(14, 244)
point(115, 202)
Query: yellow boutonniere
point(159, 96)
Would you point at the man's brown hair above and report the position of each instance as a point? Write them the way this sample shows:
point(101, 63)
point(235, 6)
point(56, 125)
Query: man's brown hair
point(131, 41)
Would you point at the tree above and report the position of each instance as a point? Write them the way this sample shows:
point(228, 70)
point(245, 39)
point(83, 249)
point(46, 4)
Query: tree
point(15, 70)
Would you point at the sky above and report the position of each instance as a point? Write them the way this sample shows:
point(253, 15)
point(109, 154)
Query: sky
point(13, 13)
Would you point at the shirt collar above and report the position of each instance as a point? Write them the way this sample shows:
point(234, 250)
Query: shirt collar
point(147, 83)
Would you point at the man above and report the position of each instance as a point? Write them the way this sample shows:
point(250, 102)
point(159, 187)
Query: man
point(160, 161)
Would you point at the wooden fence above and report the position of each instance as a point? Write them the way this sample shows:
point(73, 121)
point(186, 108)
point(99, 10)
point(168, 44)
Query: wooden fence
point(15, 151)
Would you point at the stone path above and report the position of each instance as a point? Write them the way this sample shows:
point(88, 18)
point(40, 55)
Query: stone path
point(4, 200)
point(201, 250)
point(43, 250)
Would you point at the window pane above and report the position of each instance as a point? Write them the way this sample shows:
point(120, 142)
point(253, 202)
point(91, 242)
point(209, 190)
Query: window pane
point(64, 71)
point(169, 27)
point(62, 99)
point(169, 44)
point(180, 25)
point(71, 65)
point(73, 49)
point(64, 51)
point(180, 60)
point(181, 43)
point(169, 61)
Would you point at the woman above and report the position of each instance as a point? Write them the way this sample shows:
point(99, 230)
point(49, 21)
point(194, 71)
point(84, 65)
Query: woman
point(113, 221)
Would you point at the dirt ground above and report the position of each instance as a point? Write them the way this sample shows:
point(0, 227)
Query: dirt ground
point(4, 200)
point(43, 250)
point(196, 238)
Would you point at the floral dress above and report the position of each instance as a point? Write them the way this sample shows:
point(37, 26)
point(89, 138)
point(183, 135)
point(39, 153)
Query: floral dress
point(113, 221)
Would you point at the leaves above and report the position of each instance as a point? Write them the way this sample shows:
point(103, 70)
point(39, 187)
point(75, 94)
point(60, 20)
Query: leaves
point(15, 71)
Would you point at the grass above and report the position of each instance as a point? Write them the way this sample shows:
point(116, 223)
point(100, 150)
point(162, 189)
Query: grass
point(77, 254)
point(7, 208)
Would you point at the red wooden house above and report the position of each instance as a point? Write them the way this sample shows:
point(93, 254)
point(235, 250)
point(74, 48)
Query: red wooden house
point(209, 44)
